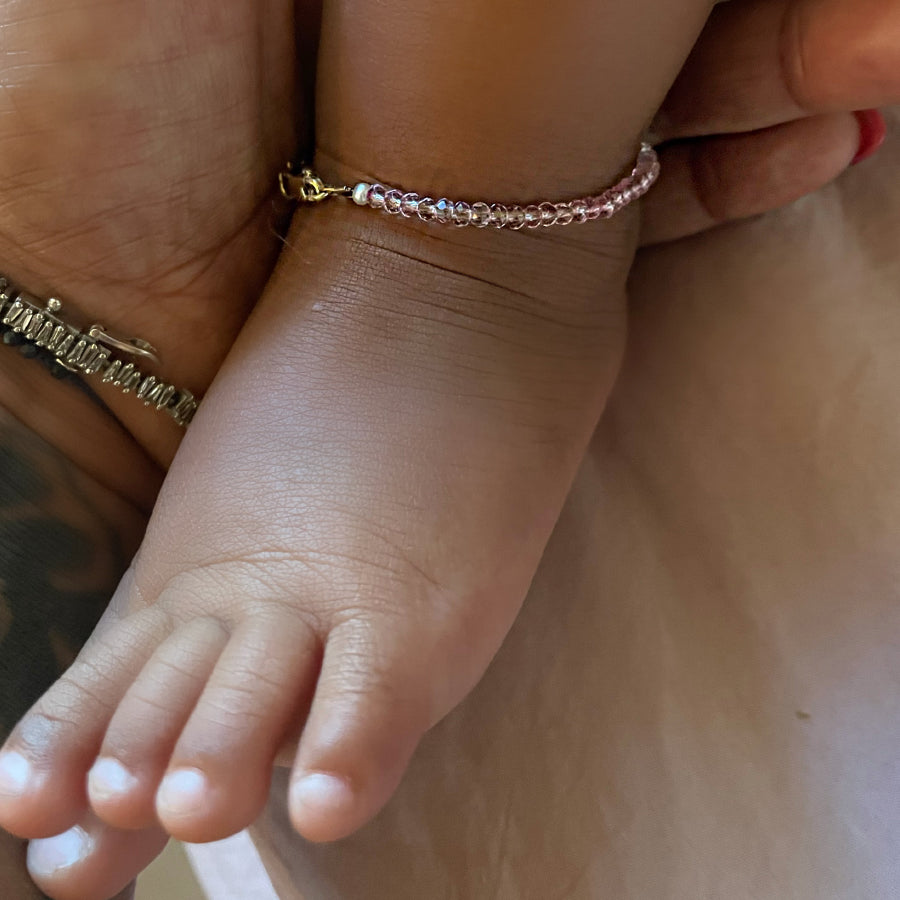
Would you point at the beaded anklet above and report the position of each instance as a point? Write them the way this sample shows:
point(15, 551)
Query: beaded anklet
point(307, 187)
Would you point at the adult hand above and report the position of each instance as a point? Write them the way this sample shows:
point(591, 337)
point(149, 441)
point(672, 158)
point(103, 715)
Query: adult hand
point(139, 145)
point(139, 148)
point(761, 115)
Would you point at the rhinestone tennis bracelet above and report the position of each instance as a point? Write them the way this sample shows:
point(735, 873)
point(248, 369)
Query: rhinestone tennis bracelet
point(35, 327)
point(307, 187)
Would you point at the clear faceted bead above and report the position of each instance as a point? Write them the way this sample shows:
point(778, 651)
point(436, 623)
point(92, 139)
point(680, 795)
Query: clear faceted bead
point(515, 217)
point(392, 201)
point(462, 214)
point(533, 216)
point(481, 215)
point(608, 210)
point(409, 205)
point(499, 215)
point(426, 210)
point(564, 214)
point(443, 211)
point(376, 196)
point(579, 210)
point(548, 214)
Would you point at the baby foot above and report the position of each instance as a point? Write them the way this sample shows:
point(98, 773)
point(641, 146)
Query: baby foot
point(345, 537)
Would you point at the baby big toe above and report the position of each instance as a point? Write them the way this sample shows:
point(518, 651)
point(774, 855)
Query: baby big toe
point(218, 777)
point(377, 694)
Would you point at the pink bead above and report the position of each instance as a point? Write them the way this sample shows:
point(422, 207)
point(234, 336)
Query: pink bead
point(533, 216)
point(443, 211)
point(409, 205)
point(564, 214)
point(376, 195)
point(499, 215)
point(515, 218)
point(462, 214)
point(481, 215)
point(579, 210)
point(392, 201)
point(548, 214)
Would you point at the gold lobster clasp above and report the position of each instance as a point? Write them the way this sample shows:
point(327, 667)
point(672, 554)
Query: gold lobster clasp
point(307, 187)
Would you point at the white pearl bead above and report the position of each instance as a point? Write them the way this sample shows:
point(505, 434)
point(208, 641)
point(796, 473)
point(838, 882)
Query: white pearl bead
point(361, 194)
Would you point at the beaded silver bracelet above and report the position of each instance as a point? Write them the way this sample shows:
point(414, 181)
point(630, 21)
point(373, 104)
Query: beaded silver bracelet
point(307, 187)
point(35, 327)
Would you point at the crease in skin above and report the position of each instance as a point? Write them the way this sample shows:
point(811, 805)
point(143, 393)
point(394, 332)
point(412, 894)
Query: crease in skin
point(793, 48)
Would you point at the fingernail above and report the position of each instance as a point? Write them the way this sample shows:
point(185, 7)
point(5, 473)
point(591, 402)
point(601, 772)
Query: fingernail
point(49, 855)
point(872, 134)
point(108, 779)
point(182, 794)
point(15, 774)
point(320, 793)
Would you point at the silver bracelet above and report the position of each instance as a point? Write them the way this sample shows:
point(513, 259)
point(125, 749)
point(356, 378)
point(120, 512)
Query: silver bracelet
point(26, 320)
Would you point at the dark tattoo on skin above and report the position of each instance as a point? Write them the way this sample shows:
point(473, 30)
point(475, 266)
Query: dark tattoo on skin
point(55, 578)
point(62, 553)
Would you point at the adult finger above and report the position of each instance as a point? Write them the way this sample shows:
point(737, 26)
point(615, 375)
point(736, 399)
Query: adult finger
point(714, 180)
point(764, 62)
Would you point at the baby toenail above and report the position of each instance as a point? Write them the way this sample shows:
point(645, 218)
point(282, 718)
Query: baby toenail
point(49, 855)
point(182, 794)
point(320, 793)
point(108, 778)
point(15, 774)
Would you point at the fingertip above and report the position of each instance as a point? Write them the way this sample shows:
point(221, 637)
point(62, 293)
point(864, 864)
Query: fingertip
point(872, 134)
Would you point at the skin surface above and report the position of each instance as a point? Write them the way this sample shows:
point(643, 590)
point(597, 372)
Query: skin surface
point(699, 699)
point(139, 145)
point(395, 540)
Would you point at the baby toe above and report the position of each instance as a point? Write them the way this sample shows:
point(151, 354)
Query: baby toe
point(374, 700)
point(44, 764)
point(92, 861)
point(140, 738)
point(218, 777)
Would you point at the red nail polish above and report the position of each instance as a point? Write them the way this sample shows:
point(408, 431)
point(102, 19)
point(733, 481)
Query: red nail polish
point(872, 134)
